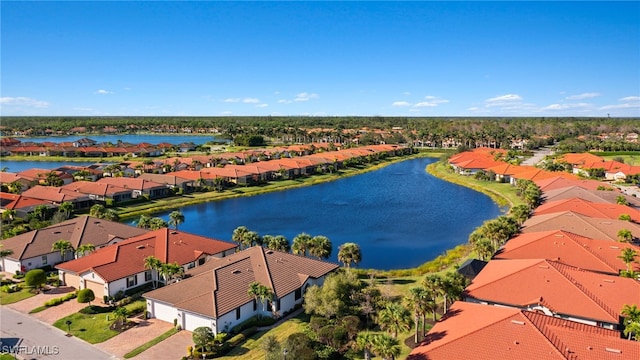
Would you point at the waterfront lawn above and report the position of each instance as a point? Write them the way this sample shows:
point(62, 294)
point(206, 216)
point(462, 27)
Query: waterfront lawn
point(503, 194)
point(11, 298)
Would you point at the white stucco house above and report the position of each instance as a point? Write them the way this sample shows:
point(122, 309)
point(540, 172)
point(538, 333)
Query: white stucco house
point(216, 295)
point(33, 249)
point(121, 267)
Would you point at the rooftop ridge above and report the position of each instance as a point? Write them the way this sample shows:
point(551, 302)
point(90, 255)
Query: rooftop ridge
point(553, 339)
point(562, 269)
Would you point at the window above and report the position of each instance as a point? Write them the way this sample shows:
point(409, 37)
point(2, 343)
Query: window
point(201, 261)
point(298, 294)
point(132, 281)
point(238, 314)
point(147, 275)
point(44, 259)
point(255, 305)
point(191, 265)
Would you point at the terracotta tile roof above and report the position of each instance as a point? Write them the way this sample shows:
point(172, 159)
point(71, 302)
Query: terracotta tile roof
point(131, 183)
point(220, 285)
point(536, 174)
point(589, 195)
point(473, 331)
point(78, 231)
point(127, 257)
point(9, 177)
point(579, 159)
point(562, 182)
point(563, 289)
point(594, 228)
point(54, 194)
point(95, 188)
point(167, 179)
point(588, 208)
point(15, 202)
point(509, 169)
point(568, 248)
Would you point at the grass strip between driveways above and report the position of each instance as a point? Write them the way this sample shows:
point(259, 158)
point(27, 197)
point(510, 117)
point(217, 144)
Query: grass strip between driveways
point(151, 343)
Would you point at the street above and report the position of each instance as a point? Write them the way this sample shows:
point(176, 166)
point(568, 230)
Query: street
point(29, 338)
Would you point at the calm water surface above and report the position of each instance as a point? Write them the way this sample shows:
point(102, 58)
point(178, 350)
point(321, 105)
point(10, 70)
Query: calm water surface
point(129, 138)
point(399, 215)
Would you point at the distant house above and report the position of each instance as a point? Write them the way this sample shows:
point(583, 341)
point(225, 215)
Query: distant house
point(120, 267)
point(473, 331)
point(100, 192)
point(216, 295)
point(33, 249)
point(588, 208)
point(22, 205)
point(138, 186)
point(602, 196)
point(594, 228)
point(58, 195)
point(554, 289)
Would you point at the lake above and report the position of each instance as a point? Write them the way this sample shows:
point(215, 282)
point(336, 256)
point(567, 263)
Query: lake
point(130, 138)
point(400, 215)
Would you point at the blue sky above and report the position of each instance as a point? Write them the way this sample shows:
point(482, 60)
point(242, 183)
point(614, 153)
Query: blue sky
point(321, 58)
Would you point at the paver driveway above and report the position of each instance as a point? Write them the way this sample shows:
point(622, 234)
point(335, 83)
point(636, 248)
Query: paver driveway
point(173, 348)
point(145, 331)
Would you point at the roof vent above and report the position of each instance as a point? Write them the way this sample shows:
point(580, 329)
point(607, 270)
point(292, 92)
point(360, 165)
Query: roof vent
point(517, 322)
point(236, 272)
point(57, 232)
point(606, 222)
point(140, 247)
point(617, 351)
point(609, 280)
point(614, 247)
point(269, 252)
point(174, 232)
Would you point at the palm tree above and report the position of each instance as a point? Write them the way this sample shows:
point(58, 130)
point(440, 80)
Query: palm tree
point(83, 249)
point(260, 293)
point(349, 253)
point(120, 315)
point(520, 213)
point(631, 321)
point(278, 243)
point(628, 256)
point(4, 254)
point(320, 246)
point(176, 218)
point(394, 318)
point(386, 347)
point(251, 238)
point(416, 299)
point(433, 283)
point(483, 248)
point(63, 246)
point(364, 342)
point(143, 221)
point(110, 215)
point(40, 212)
point(154, 264)
point(625, 235)
point(169, 271)
point(157, 223)
point(301, 244)
point(9, 214)
point(97, 210)
point(453, 284)
point(66, 208)
point(239, 234)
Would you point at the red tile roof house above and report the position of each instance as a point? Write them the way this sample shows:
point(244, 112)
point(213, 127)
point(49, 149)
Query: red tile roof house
point(216, 295)
point(138, 187)
point(121, 266)
point(473, 331)
point(58, 195)
point(100, 192)
point(22, 205)
point(556, 290)
point(562, 182)
point(589, 254)
point(33, 249)
point(594, 228)
point(602, 196)
point(9, 179)
point(588, 208)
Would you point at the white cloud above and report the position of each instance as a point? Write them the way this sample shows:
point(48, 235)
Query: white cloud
point(630, 98)
point(406, 93)
point(262, 105)
point(231, 100)
point(566, 106)
point(251, 101)
point(23, 101)
point(284, 101)
point(305, 97)
point(503, 100)
point(629, 102)
point(583, 96)
point(103, 92)
point(432, 101)
point(401, 103)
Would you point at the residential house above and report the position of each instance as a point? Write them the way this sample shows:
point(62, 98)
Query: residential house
point(121, 266)
point(33, 249)
point(562, 182)
point(22, 205)
point(473, 331)
point(100, 192)
point(588, 208)
point(171, 181)
point(601, 196)
point(555, 289)
point(216, 294)
point(58, 195)
point(139, 187)
point(21, 183)
point(594, 228)
point(562, 246)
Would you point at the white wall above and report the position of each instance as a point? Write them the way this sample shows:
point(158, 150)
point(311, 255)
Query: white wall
point(191, 321)
point(11, 265)
point(162, 311)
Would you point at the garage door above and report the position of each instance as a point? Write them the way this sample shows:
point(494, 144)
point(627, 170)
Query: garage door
point(72, 280)
point(98, 289)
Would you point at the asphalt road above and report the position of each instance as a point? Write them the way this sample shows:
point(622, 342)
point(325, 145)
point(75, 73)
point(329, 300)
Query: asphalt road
point(29, 338)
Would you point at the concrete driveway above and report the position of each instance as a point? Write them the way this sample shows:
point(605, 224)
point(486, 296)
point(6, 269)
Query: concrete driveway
point(145, 331)
point(173, 348)
point(53, 313)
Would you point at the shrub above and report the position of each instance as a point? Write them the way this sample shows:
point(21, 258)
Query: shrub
point(236, 340)
point(9, 288)
point(35, 278)
point(86, 296)
point(137, 309)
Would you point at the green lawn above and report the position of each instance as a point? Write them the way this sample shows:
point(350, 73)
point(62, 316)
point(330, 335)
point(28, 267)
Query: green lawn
point(7, 357)
point(15, 297)
point(92, 328)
